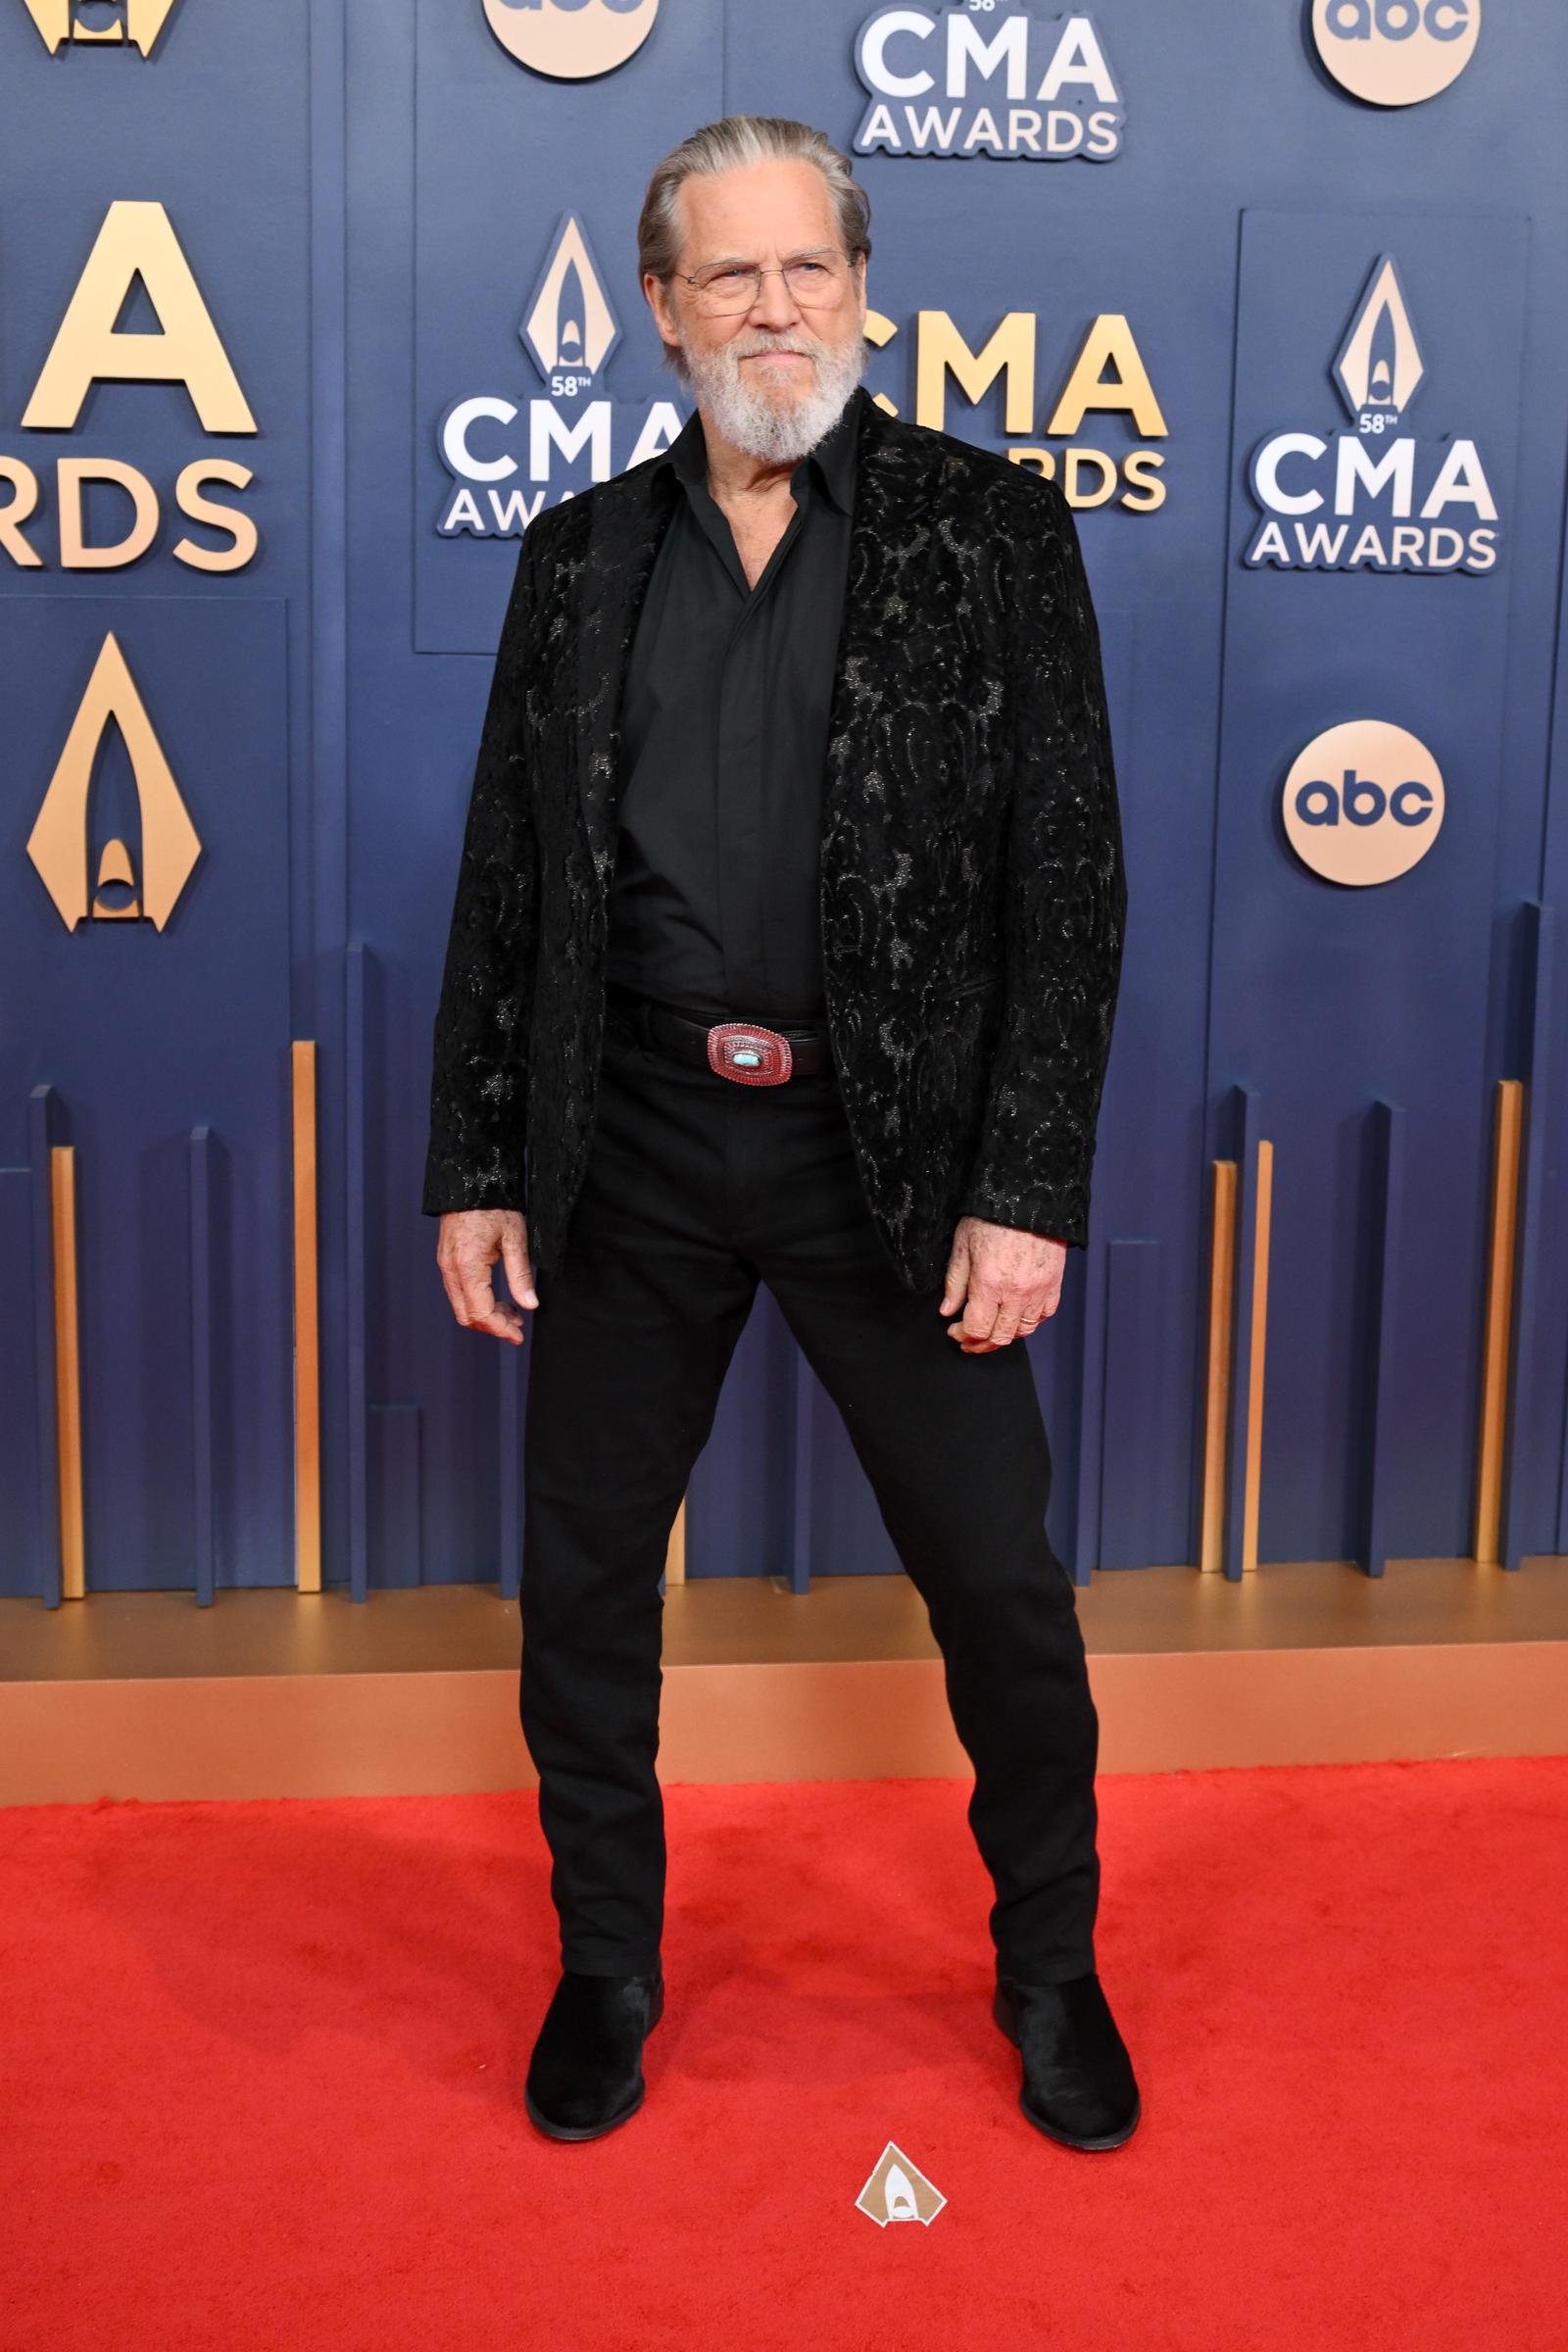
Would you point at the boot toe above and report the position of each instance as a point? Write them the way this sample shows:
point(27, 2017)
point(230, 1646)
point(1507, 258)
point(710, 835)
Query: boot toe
point(585, 2074)
point(1078, 2084)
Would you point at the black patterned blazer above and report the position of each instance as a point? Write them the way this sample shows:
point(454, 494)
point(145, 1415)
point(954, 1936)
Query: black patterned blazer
point(973, 897)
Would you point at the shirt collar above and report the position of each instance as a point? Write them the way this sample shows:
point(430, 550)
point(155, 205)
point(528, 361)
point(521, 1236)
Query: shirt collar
point(830, 461)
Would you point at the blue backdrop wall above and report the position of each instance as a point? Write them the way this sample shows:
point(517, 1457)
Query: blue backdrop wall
point(363, 280)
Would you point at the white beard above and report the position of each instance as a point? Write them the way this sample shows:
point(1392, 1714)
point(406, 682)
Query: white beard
point(776, 430)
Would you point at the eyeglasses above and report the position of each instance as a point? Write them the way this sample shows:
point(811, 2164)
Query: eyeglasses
point(817, 282)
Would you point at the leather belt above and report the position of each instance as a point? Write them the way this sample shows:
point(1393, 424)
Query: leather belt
point(749, 1053)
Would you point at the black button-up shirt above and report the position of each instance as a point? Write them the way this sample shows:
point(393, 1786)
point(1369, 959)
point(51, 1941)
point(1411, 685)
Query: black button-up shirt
point(713, 904)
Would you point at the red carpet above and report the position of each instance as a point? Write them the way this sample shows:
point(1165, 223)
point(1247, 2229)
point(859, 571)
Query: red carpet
point(263, 2068)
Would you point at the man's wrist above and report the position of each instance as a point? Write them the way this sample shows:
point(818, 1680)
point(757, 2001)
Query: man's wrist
point(984, 1219)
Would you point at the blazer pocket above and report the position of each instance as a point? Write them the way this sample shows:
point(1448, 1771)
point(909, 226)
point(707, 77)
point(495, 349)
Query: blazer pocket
point(921, 1002)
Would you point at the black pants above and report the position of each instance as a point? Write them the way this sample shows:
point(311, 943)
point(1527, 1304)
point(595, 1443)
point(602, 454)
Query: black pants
point(696, 1188)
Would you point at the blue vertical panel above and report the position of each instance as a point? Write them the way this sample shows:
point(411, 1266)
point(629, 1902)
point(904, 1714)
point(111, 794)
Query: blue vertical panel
point(1330, 996)
point(22, 1521)
point(321, 841)
point(146, 1033)
point(1382, 1368)
point(1529, 1485)
point(1245, 1124)
point(393, 1454)
point(204, 1156)
point(48, 1124)
point(1552, 1350)
point(358, 1055)
point(1553, 1273)
point(1132, 1403)
point(806, 1386)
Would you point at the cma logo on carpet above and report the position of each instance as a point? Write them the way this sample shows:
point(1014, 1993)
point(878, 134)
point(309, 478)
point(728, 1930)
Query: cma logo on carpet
point(1367, 480)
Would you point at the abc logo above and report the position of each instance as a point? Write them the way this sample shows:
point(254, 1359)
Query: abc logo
point(571, 39)
point(1363, 802)
point(1395, 52)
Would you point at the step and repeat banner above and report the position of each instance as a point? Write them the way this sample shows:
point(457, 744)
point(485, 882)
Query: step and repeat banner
point(307, 311)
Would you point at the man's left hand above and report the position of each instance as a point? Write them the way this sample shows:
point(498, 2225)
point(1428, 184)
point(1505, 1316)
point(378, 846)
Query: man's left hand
point(1008, 1282)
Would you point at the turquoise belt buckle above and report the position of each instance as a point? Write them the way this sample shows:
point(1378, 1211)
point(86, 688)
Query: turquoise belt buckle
point(748, 1054)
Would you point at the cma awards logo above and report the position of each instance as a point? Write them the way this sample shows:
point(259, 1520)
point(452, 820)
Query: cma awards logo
point(1395, 52)
point(85, 23)
point(898, 2192)
point(569, 330)
point(504, 455)
point(571, 39)
point(983, 80)
point(1363, 802)
point(1388, 496)
point(59, 844)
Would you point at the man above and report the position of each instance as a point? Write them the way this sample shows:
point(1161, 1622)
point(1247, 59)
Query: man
point(786, 945)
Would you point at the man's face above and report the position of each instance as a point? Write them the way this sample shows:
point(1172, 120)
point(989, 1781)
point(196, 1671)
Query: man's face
point(776, 371)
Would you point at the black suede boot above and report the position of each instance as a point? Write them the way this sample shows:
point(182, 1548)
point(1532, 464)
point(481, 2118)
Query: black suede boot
point(585, 2076)
point(1078, 2081)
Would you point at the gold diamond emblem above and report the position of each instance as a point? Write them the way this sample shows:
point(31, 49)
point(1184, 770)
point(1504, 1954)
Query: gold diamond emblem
point(898, 2192)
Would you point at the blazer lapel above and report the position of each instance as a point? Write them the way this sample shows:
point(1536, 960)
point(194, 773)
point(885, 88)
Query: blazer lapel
point(629, 521)
point(887, 525)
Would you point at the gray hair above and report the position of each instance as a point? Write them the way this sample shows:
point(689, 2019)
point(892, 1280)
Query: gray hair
point(724, 146)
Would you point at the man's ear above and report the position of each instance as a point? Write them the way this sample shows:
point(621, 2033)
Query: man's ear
point(657, 296)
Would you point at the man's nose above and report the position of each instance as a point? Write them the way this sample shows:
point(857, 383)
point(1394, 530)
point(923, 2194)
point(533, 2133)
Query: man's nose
point(775, 305)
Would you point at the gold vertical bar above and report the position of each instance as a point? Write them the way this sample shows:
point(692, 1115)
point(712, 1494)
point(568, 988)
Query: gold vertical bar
point(1254, 1371)
point(675, 1553)
point(1507, 1126)
point(1221, 1284)
point(307, 1362)
point(68, 1370)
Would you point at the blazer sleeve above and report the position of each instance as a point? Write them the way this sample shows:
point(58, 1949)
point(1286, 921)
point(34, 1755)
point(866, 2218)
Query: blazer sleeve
point(1065, 900)
point(478, 1078)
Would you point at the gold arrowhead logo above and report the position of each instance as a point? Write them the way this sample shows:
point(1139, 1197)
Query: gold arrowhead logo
point(898, 2192)
point(141, 23)
point(58, 843)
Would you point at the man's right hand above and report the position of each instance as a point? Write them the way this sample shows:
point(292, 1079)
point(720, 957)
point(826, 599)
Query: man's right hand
point(470, 1242)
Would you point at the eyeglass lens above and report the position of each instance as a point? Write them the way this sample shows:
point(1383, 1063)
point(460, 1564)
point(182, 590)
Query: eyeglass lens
point(816, 282)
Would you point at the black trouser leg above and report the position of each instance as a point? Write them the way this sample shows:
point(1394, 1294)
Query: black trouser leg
point(630, 1341)
point(955, 1450)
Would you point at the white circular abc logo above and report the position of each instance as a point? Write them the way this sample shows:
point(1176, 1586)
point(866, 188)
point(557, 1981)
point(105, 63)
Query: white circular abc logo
point(1395, 52)
point(572, 39)
point(1363, 802)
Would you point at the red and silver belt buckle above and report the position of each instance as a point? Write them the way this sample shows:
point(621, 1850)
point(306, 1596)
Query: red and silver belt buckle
point(751, 1055)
